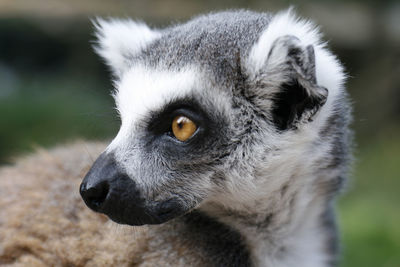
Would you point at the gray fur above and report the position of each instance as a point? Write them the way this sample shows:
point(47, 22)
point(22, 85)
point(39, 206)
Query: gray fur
point(211, 41)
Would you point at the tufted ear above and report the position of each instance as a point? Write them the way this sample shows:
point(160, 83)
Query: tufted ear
point(282, 71)
point(118, 40)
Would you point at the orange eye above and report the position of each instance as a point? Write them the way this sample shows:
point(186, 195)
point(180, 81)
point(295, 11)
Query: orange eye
point(183, 128)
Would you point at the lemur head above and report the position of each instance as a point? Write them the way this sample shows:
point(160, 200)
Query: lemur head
point(222, 109)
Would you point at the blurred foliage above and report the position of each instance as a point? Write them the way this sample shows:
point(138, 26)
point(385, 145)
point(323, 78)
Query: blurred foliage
point(54, 89)
point(369, 211)
point(39, 115)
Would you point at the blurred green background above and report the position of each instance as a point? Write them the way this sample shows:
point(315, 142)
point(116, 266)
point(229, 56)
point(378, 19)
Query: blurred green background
point(54, 89)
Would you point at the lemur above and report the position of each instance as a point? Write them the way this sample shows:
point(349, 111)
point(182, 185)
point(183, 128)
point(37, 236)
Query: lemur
point(233, 144)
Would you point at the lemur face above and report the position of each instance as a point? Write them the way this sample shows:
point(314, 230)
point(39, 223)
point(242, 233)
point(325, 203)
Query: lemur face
point(203, 105)
point(160, 164)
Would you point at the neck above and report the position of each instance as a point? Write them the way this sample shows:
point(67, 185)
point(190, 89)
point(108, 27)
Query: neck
point(293, 228)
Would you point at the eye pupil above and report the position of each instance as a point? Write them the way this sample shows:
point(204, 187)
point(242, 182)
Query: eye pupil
point(183, 128)
point(180, 123)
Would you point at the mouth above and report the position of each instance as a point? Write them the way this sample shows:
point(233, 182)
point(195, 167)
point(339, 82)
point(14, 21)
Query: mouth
point(134, 215)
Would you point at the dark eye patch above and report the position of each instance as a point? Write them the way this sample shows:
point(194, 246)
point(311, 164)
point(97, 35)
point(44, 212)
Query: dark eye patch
point(160, 121)
point(206, 145)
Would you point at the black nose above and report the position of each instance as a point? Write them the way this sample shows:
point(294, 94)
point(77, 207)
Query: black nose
point(107, 188)
point(94, 195)
point(96, 186)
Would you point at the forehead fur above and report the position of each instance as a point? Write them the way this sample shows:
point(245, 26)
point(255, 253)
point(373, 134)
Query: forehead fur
point(213, 42)
point(216, 42)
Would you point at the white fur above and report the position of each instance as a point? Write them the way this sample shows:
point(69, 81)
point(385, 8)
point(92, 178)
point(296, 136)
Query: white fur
point(283, 23)
point(118, 39)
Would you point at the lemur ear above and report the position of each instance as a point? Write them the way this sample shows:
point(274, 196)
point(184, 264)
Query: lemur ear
point(284, 75)
point(299, 96)
point(118, 40)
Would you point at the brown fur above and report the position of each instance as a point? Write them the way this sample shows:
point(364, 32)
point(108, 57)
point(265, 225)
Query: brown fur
point(44, 222)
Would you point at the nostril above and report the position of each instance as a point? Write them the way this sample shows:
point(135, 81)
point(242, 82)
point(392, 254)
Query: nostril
point(94, 196)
